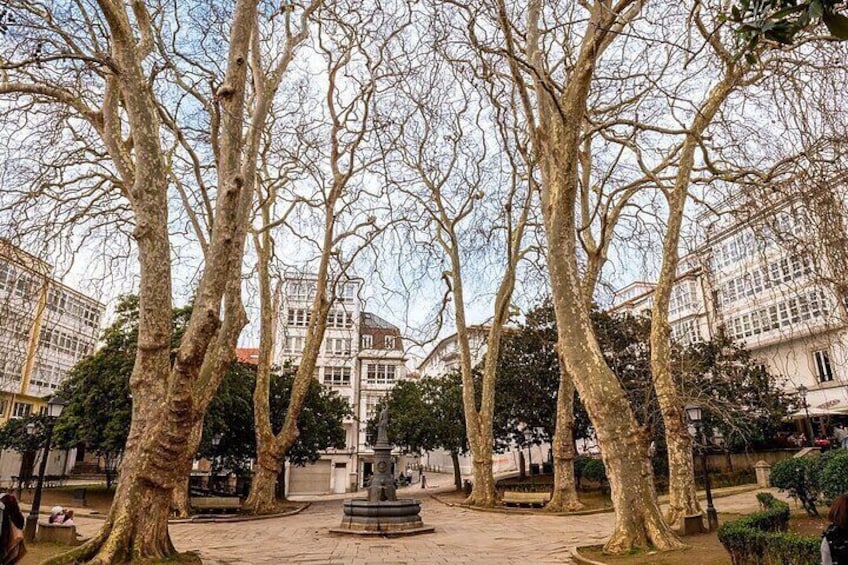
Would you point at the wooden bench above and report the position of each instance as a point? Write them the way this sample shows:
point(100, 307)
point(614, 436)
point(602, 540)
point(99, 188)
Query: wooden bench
point(512, 498)
point(212, 503)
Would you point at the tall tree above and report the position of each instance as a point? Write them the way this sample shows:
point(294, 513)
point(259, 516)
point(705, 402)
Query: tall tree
point(425, 415)
point(121, 67)
point(353, 49)
point(554, 111)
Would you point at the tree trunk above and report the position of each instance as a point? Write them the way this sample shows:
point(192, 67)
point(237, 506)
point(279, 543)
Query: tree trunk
point(457, 474)
point(136, 528)
point(281, 483)
point(483, 492)
point(522, 466)
point(263, 488)
point(683, 498)
point(179, 500)
point(623, 445)
point(564, 498)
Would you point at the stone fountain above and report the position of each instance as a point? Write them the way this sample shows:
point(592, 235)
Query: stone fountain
point(382, 513)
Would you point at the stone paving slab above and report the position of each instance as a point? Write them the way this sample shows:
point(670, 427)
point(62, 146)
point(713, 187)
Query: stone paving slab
point(462, 537)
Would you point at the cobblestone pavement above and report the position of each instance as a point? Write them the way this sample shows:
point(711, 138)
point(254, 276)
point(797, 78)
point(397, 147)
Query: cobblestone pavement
point(462, 537)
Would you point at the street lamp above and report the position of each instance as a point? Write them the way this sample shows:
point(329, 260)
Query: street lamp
point(216, 441)
point(694, 413)
point(54, 409)
point(808, 426)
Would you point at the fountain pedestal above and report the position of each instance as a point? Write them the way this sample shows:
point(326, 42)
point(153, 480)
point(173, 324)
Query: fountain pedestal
point(382, 513)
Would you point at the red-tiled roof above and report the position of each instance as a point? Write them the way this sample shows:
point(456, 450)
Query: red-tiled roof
point(248, 355)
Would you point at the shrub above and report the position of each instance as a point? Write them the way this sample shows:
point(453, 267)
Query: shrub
point(760, 538)
point(800, 479)
point(833, 477)
point(765, 499)
point(594, 470)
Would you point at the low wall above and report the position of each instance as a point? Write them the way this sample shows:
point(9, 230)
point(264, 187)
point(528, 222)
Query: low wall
point(719, 463)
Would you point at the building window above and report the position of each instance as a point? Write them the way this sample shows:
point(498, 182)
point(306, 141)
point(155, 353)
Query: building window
point(389, 342)
point(299, 317)
point(824, 370)
point(21, 409)
point(381, 374)
point(295, 344)
point(367, 341)
point(337, 376)
point(339, 319)
point(347, 292)
point(338, 346)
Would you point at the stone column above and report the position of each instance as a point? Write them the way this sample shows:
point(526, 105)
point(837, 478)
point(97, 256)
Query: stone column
point(763, 470)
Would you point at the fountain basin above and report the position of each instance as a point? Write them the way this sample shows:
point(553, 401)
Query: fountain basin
point(387, 517)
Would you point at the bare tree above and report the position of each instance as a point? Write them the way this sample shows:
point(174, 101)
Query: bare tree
point(354, 53)
point(110, 66)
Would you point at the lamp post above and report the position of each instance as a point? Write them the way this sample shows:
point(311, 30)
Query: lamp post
point(808, 426)
point(54, 410)
point(216, 441)
point(694, 413)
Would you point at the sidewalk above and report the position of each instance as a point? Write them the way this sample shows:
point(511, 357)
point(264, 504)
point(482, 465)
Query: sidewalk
point(436, 482)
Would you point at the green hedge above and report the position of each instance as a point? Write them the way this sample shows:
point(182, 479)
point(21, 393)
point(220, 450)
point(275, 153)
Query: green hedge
point(761, 538)
point(833, 474)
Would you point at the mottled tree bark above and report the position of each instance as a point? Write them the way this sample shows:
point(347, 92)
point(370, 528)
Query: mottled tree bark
point(555, 122)
point(682, 492)
point(457, 473)
point(564, 497)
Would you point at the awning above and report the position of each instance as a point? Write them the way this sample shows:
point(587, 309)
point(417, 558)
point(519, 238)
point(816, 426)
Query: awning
point(825, 402)
point(815, 413)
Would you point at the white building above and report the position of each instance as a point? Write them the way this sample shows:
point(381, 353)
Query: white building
point(45, 329)
point(444, 359)
point(763, 280)
point(361, 358)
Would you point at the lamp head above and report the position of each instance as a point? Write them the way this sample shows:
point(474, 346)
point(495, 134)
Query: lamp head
point(55, 406)
point(693, 411)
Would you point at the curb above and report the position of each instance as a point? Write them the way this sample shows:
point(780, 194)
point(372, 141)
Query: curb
point(606, 509)
point(212, 519)
point(521, 511)
point(575, 554)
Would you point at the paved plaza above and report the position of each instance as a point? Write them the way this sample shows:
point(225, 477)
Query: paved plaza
point(462, 536)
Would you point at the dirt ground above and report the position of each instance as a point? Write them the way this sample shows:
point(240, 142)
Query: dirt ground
point(704, 549)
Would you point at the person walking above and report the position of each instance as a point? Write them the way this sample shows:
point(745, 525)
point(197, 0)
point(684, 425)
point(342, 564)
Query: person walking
point(408, 473)
point(841, 435)
point(834, 545)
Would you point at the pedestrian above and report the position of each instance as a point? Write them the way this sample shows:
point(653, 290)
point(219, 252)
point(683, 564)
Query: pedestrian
point(55, 512)
point(408, 475)
point(834, 546)
point(841, 435)
point(69, 518)
point(11, 530)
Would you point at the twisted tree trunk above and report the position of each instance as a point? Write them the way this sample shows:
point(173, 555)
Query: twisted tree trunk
point(564, 498)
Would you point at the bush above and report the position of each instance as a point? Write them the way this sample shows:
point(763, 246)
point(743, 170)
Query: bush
point(594, 470)
point(765, 499)
point(833, 476)
point(799, 477)
point(761, 539)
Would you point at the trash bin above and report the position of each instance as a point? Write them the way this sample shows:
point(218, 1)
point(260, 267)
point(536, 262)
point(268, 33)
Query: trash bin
point(467, 486)
point(534, 468)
